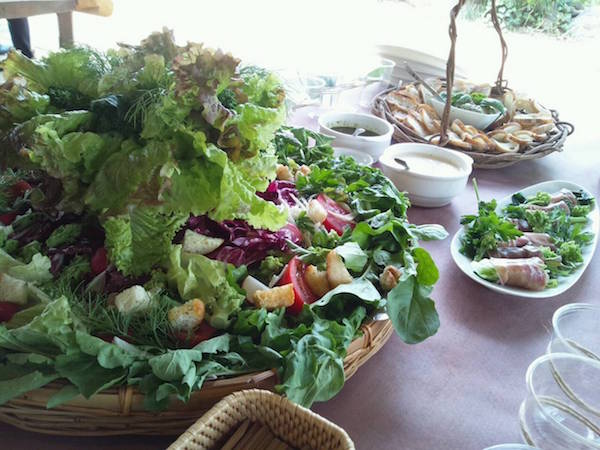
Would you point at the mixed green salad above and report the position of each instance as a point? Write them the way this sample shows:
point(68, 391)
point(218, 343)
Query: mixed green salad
point(160, 228)
point(476, 102)
point(535, 241)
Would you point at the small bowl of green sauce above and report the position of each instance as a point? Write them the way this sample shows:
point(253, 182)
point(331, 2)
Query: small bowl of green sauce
point(361, 132)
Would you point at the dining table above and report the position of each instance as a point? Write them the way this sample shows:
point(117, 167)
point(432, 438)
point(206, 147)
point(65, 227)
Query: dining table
point(461, 388)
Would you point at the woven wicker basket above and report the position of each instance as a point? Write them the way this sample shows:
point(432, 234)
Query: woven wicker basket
point(298, 426)
point(484, 160)
point(120, 411)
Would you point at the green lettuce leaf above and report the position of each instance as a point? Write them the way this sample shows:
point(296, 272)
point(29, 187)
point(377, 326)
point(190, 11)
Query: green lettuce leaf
point(37, 271)
point(252, 127)
point(141, 240)
point(196, 276)
point(259, 170)
point(20, 104)
point(132, 171)
point(240, 201)
point(75, 71)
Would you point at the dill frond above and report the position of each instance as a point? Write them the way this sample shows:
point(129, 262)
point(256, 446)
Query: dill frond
point(142, 105)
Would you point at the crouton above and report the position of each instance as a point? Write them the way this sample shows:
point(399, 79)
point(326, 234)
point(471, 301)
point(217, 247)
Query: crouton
point(303, 170)
point(277, 297)
point(336, 270)
point(317, 281)
point(284, 173)
point(389, 277)
point(187, 316)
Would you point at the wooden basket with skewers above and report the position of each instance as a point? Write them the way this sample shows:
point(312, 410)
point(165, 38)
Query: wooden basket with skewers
point(522, 130)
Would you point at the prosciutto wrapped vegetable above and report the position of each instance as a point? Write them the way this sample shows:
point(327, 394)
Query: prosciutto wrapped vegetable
point(526, 273)
point(562, 205)
point(531, 239)
point(527, 251)
point(521, 224)
point(564, 195)
point(539, 240)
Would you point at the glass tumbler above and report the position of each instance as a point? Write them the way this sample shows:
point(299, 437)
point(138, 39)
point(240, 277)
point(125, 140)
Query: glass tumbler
point(562, 397)
point(576, 329)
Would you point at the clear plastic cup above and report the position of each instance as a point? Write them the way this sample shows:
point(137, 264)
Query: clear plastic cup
point(576, 329)
point(563, 391)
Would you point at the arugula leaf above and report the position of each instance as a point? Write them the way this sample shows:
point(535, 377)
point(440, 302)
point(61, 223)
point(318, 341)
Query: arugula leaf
point(360, 289)
point(17, 386)
point(428, 232)
point(354, 257)
point(313, 372)
point(411, 311)
point(86, 374)
point(427, 272)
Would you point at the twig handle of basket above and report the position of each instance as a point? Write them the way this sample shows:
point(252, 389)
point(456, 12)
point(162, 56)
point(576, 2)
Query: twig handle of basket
point(451, 64)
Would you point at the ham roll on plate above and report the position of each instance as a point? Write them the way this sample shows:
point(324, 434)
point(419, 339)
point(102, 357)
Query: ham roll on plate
point(526, 273)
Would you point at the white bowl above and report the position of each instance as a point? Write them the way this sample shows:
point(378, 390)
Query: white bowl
point(430, 189)
point(359, 156)
point(479, 120)
point(372, 145)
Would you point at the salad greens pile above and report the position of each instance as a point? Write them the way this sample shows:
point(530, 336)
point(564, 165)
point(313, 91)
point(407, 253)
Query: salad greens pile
point(476, 101)
point(111, 160)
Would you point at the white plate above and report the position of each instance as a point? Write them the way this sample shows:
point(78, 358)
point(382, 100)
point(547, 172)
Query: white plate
point(359, 156)
point(564, 283)
point(423, 63)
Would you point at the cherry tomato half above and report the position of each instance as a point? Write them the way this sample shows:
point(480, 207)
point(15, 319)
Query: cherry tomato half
point(294, 274)
point(202, 332)
point(8, 310)
point(8, 218)
point(99, 261)
point(338, 219)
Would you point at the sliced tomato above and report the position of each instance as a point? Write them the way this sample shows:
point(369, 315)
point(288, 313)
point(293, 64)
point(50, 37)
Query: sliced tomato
point(20, 188)
point(294, 274)
point(338, 219)
point(8, 310)
point(99, 261)
point(202, 332)
point(8, 218)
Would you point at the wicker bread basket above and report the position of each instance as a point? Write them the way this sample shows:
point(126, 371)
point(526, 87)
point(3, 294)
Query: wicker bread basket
point(553, 142)
point(297, 426)
point(120, 411)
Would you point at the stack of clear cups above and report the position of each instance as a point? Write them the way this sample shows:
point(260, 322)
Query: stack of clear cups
point(576, 329)
point(562, 407)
